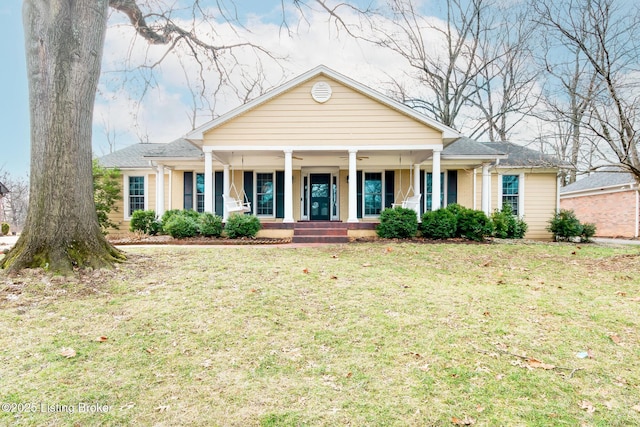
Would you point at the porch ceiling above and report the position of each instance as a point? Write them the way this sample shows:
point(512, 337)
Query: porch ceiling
point(329, 158)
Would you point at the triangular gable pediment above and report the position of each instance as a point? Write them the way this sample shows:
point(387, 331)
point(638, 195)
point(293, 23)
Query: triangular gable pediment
point(299, 110)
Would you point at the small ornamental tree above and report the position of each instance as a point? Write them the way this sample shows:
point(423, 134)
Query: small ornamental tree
point(106, 193)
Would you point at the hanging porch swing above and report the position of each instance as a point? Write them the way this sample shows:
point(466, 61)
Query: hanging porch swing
point(406, 201)
point(239, 203)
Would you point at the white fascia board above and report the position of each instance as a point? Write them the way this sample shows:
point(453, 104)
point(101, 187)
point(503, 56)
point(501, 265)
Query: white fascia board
point(474, 157)
point(601, 190)
point(447, 132)
point(297, 148)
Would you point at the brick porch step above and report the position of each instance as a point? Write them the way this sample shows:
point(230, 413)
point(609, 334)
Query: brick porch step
point(320, 232)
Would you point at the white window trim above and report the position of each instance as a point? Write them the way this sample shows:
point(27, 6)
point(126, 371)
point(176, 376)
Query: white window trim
point(125, 185)
point(520, 192)
point(381, 172)
point(254, 207)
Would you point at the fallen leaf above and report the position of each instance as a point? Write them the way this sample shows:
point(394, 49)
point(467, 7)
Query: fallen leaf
point(466, 421)
point(587, 406)
point(537, 364)
point(615, 338)
point(349, 375)
point(389, 249)
point(305, 271)
point(67, 352)
point(101, 339)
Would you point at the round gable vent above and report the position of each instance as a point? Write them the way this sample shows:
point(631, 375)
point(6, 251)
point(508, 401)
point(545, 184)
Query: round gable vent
point(321, 92)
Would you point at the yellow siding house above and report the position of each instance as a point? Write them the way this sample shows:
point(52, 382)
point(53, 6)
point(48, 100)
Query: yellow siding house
point(325, 148)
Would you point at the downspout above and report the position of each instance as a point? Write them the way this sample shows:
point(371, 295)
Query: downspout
point(637, 211)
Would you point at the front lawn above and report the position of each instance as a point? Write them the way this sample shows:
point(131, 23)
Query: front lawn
point(361, 334)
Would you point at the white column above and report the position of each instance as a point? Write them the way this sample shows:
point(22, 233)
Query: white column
point(416, 188)
point(208, 182)
point(486, 189)
point(353, 187)
point(436, 202)
point(225, 190)
point(288, 185)
point(160, 190)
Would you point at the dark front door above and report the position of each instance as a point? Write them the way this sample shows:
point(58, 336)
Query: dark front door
point(320, 202)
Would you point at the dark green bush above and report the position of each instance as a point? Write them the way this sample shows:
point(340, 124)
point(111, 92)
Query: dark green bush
point(145, 222)
point(474, 225)
point(167, 215)
point(4, 228)
point(209, 225)
point(242, 226)
point(439, 224)
point(507, 225)
point(588, 231)
point(565, 225)
point(398, 223)
point(180, 226)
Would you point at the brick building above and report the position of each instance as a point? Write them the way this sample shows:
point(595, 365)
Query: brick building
point(609, 199)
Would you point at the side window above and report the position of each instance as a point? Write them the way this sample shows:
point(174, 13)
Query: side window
point(136, 194)
point(511, 192)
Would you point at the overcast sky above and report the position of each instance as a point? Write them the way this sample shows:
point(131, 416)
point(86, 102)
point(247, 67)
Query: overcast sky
point(164, 113)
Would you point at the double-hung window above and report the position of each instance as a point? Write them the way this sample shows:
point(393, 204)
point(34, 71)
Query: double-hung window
point(264, 194)
point(136, 194)
point(373, 193)
point(429, 190)
point(511, 192)
point(200, 192)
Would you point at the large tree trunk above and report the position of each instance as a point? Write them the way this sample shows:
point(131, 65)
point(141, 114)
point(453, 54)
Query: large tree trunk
point(64, 43)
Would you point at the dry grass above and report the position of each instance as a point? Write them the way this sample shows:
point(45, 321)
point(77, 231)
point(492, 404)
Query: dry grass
point(362, 334)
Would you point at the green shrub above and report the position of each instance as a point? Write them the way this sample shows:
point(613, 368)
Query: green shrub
point(167, 215)
point(588, 231)
point(439, 224)
point(474, 225)
point(398, 223)
point(4, 228)
point(456, 209)
point(507, 225)
point(145, 222)
point(239, 225)
point(565, 225)
point(209, 225)
point(180, 226)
